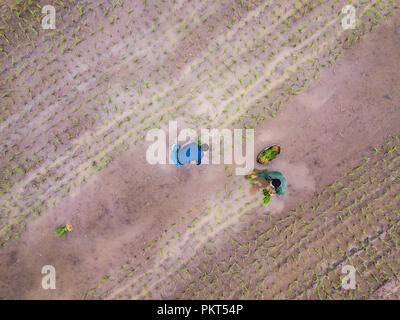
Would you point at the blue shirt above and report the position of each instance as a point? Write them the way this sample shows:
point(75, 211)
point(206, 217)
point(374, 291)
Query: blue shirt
point(188, 153)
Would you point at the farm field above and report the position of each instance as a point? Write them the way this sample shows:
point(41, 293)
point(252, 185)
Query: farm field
point(76, 104)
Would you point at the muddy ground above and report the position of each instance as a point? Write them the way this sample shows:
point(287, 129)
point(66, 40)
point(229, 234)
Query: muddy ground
point(352, 107)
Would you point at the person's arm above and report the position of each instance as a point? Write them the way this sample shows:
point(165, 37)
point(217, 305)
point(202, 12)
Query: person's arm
point(265, 175)
point(199, 155)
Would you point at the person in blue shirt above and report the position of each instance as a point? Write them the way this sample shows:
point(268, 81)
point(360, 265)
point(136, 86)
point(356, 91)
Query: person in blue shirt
point(190, 152)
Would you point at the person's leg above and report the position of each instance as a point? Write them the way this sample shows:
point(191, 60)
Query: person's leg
point(199, 154)
point(201, 151)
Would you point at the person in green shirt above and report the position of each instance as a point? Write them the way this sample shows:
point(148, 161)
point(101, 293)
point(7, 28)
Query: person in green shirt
point(275, 179)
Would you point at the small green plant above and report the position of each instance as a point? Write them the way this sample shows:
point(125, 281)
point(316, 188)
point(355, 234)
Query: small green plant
point(267, 197)
point(60, 231)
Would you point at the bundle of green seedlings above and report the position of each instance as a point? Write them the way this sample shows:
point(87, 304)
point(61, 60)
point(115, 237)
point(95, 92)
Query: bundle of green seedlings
point(61, 230)
point(267, 197)
point(268, 154)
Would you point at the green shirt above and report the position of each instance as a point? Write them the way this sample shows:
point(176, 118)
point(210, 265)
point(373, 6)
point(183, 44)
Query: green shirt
point(269, 175)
